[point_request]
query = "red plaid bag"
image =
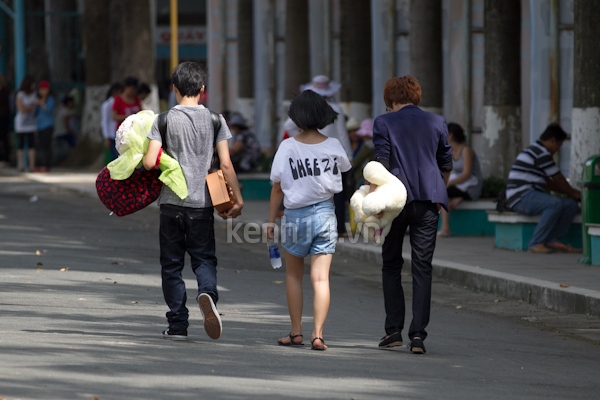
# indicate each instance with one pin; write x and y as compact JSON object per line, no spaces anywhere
{"x":128,"y":195}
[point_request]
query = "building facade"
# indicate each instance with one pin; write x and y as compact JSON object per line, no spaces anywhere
{"x":503,"y":70}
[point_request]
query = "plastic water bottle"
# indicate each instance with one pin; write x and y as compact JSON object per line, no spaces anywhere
{"x":274,"y":253}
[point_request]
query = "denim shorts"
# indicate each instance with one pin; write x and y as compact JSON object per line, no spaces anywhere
{"x":309,"y":230}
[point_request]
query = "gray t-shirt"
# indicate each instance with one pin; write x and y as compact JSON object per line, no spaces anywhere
{"x":190,"y":137}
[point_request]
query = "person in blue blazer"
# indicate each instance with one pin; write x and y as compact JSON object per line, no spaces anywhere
{"x":413,"y":145}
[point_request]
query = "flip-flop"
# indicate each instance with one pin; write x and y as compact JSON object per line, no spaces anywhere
{"x":443,"y":234}
{"x":291,"y":343}
{"x":321,"y":347}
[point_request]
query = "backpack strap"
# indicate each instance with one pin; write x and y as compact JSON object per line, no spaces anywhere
{"x":216,"y":125}
{"x":162,"y":128}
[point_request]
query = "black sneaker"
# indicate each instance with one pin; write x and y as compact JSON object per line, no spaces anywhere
{"x":416,"y":346}
{"x":393,"y":340}
{"x":174,"y":335}
{"x":212,"y":320}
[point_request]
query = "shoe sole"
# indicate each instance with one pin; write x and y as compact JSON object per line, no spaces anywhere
{"x":174,"y":337}
{"x":212,"y":320}
{"x":393,"y":344}
{"x":417,"y":350}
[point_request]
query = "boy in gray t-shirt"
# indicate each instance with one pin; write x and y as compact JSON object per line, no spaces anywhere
{"x":188,"y":225}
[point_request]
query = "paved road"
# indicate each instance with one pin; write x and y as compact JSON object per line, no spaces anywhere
{"x":82,"y":313}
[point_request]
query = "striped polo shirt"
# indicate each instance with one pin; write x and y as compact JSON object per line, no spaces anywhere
{"x":529,"y":172}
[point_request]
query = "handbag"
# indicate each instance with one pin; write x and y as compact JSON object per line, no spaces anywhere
{"x":127,"y":196}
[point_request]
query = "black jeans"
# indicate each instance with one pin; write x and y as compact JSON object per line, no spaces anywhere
{"x":422,"y":217}
{"x":188,"y":230}
{"x":45,"y":137}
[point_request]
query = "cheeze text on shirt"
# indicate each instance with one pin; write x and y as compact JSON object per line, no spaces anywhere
{"x":312,"y":167}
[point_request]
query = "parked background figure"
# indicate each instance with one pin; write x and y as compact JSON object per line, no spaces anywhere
{"x":5,"y":148}
{"x":532,"y":174}
{"x":66,"y":137}
{"x":143,"y":93}
{"x":245,"y":150}
{"x":109,"y":125}
{"x":363,"y":153}
{"x":413,"y":145}
{"x":127,"y":103}
{"x":466,"y":180}
{"x":327,"y":88}
{"x":44,"y":113}
{"x":25,"y":123}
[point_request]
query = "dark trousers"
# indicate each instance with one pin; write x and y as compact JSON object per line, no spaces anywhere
{"x":188,"y":230}
{"x":45,"y":137}
{"x":339,"y":200}
{"x":422,"y":218}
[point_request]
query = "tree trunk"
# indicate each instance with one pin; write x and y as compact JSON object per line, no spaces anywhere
{"x":59,"y":31}
{"x":585,"y":137}
{"x":245,"y":60}
{"x":297,"y":47}
{"x":502,"y":87}
{"x":355,"y":55}
{"x":426,"y":51}
{"x":131,"y":40}
{"x":97,"y":73}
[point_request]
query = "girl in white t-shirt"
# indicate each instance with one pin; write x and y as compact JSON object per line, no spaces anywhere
{"x":306,"y":173}
{"x":26,"y":123}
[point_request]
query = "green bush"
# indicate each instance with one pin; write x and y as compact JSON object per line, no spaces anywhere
{"x":492,"y":186}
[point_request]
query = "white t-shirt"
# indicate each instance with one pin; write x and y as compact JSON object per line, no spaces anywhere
{"x":26,"y":122}
{"x":109,"y":125}
{"x":309,"y":173}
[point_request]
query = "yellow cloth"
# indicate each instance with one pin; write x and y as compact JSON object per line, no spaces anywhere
{"x":132,"y":143}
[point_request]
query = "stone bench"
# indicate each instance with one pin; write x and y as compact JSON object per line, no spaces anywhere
{"x":255,"y":186}
{"x":513,"y":231}
{"x":594,"y":232}
{"x":470,"y":218}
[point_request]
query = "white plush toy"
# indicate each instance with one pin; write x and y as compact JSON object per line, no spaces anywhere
{"x":389,"y":197}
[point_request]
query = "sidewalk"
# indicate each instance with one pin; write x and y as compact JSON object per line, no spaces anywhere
{"x":554,"y":281}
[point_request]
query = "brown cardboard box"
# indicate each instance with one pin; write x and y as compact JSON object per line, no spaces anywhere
{"x":220,"y":192}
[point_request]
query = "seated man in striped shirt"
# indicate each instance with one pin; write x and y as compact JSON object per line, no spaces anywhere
{"x":532,"y":174}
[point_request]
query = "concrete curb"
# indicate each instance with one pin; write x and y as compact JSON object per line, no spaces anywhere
{"x":538,"y":292}
{"x":534,"y":291}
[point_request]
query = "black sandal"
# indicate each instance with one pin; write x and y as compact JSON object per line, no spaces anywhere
{"x":291,"y":343}
{"x":321,"y":347}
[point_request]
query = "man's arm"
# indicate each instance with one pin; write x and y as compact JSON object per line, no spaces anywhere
{"x":381,"y":143}
{"x":558,"y":183}
{"x":231,"y":177}
{"x":118,"y":117}
{"x":274,"y":204}
{"x":151,"y":155}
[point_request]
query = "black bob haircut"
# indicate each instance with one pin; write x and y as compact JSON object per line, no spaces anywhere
{"x":457,"y":132}
{"x":189,"y":77}
{"x":554,"y":131}
{"x":131,"y":81}
{"x":309,"y":110}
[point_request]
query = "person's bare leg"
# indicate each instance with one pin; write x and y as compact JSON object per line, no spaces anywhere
{"x":452,"y":204}
{"x":294,"y":272}
{"x":445,"y":229}
{"x":20,"y":165}
{"x":31,"y":159}
{"x":319,"y":276}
